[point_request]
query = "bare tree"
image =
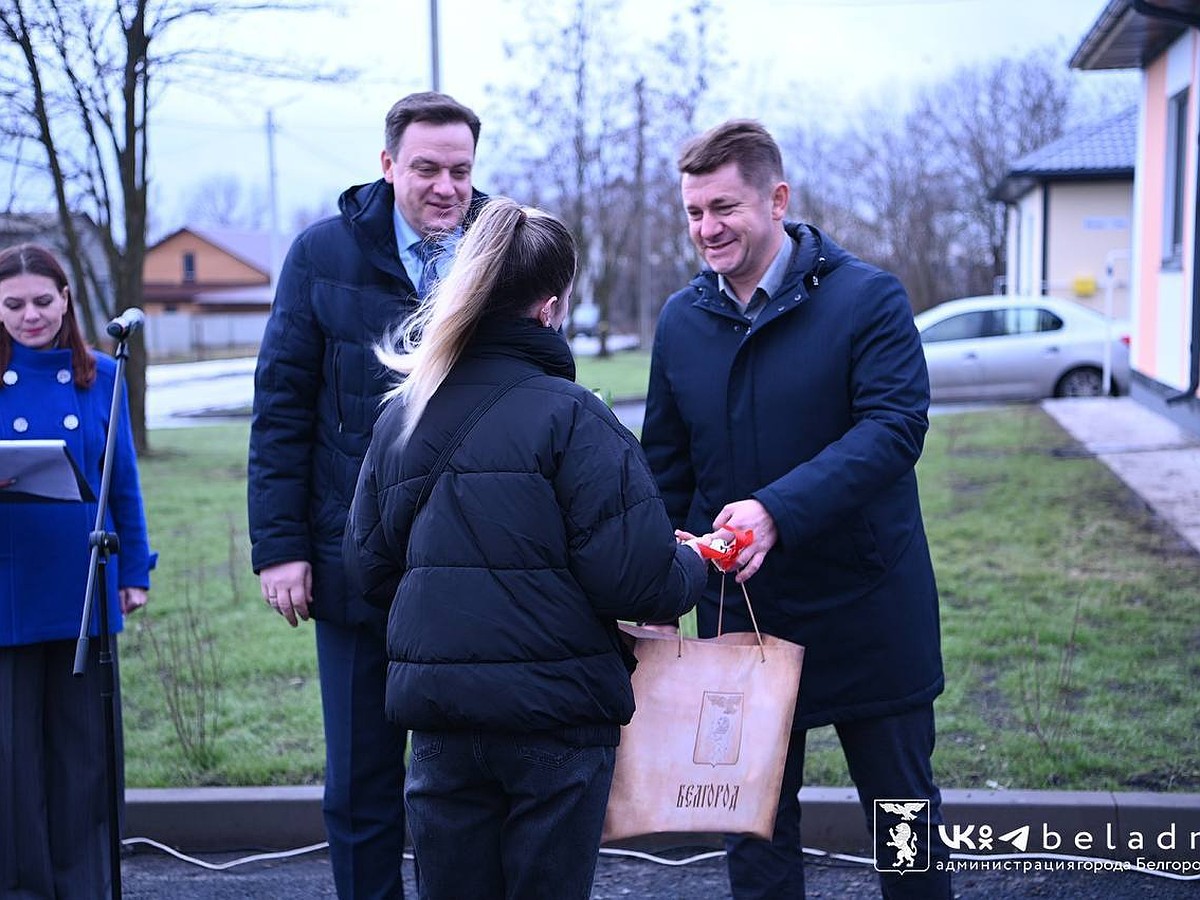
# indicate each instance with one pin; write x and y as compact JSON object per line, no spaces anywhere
{"x":910,"y":191}
{"x":985,"y":118}
{"x":593,"y":136}
{"x":79,"y":77}
{"x":304,"y":216}
{"x":223,"y":201}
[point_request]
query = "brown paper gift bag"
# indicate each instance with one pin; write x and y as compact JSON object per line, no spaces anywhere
{"x":705,"y":750}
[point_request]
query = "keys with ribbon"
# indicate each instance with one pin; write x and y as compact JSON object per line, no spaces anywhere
{"x":724,"y":553}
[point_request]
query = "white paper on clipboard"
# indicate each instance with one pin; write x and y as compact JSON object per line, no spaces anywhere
{"x":40,"y":471}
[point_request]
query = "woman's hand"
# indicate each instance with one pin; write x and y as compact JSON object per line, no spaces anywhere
{"x":671,"y":630}
{"x":694,"y":541}
{"x":132,"y":598}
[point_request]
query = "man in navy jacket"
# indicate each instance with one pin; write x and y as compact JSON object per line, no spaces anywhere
{"x":317,"y":393}
{"x":788,"y":395}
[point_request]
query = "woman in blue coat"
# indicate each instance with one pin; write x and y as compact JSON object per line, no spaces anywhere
{"x":54,"y":838}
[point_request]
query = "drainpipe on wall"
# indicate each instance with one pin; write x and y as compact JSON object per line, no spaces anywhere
{"x":1044,"y":290}
{"x":1189,"y":393}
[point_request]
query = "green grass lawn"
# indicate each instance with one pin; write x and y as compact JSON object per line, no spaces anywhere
{"x":617,"y":377}
{"x":264,"y":723}
{"x":1070,"y":627}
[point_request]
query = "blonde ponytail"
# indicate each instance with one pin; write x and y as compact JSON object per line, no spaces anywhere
{"x":507,"y":259}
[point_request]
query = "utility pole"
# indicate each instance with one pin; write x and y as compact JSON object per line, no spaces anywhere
{"x":645,"y":336}
{"x":273,"y":198}
{"x":435,"y":64}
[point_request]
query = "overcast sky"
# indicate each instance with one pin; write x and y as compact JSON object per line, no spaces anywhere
{"x":842,"y":53}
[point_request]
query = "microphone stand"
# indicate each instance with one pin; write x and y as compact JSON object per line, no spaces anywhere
{"x":104,"y":544}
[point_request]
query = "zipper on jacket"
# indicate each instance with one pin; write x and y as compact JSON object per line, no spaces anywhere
{"x":337,"y":387}
{"x":813,"y":276}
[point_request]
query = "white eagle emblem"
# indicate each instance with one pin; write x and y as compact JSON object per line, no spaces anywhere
{"x":906,"y":811}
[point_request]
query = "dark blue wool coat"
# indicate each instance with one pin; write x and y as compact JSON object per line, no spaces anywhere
{"x":318,"y":389}
{"x":818,"y":410}
{"x":545,"y":528}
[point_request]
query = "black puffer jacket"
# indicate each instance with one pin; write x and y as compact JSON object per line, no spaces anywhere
{"x":544,"y":528}
{"x":318,"y":389}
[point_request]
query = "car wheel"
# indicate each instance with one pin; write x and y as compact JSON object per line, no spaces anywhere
{"x":1081,"y":382}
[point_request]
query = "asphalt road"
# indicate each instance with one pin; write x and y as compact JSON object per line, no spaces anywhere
{"x":186,"y":395}
{"x":153,"y":875}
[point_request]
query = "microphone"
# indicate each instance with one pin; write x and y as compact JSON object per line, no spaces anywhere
{"x":124,"y":325}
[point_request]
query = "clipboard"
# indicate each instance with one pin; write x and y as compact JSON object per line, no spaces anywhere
{"x":43,"y":472}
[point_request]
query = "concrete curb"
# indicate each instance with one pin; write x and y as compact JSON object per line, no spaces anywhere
{"x":219,"y":819}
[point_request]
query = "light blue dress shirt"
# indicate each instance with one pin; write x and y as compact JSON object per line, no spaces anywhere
{"x":406,"y":236}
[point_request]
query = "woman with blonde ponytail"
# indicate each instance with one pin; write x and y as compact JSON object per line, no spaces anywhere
{"x":507,"y":520}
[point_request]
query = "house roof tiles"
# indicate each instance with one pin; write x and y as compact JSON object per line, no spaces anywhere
{"x":1104,"y":149}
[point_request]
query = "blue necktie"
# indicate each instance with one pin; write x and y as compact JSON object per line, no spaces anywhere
{"x":428,"y":252}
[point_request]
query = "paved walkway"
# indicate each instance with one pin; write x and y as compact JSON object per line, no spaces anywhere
{"x":1156,"y":458}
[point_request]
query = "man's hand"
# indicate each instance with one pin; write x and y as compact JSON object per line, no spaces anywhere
{"x":287,"y":588}
{"x":752,"y":516}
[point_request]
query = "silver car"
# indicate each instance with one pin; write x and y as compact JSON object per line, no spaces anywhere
{"x":1022,"y":348}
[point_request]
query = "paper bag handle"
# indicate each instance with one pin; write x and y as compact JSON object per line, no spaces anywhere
{"x":721,"y":616}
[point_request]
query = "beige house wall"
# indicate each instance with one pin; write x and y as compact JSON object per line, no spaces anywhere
{"x":1162,"y":307}
{"x":1090,"y":226}
{"x":214,"y":267}
{"x":1090,"y":229}
{"x":1023,"y":271}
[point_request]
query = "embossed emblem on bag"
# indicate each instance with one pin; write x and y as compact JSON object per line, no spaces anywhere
{"x":719,"y":733}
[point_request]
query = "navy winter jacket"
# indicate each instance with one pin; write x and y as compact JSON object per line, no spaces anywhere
{"x":544,"y":529}
{"x":818,"y":410}
{"x":318,"y":389}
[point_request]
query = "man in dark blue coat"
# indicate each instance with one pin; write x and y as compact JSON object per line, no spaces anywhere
{"x":788,"y":395}
{"x":318,"y":388}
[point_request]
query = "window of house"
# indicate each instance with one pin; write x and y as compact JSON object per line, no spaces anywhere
{"x":189,"y":268}
{"x":1176,"y":179}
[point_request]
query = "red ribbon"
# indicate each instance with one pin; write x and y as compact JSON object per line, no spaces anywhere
{"x":724,"y":553}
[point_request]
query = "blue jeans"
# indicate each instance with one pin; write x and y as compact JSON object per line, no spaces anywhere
{"x":506,"y":815}
{"x":364,"y":765}
{"x":889,"y":759}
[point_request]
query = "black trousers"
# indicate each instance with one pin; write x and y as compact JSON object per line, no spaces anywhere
{"x":54,"y":837}
{"x":506,"y":815}
{"x":889,"y":759}
{"x":364,"y":765}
